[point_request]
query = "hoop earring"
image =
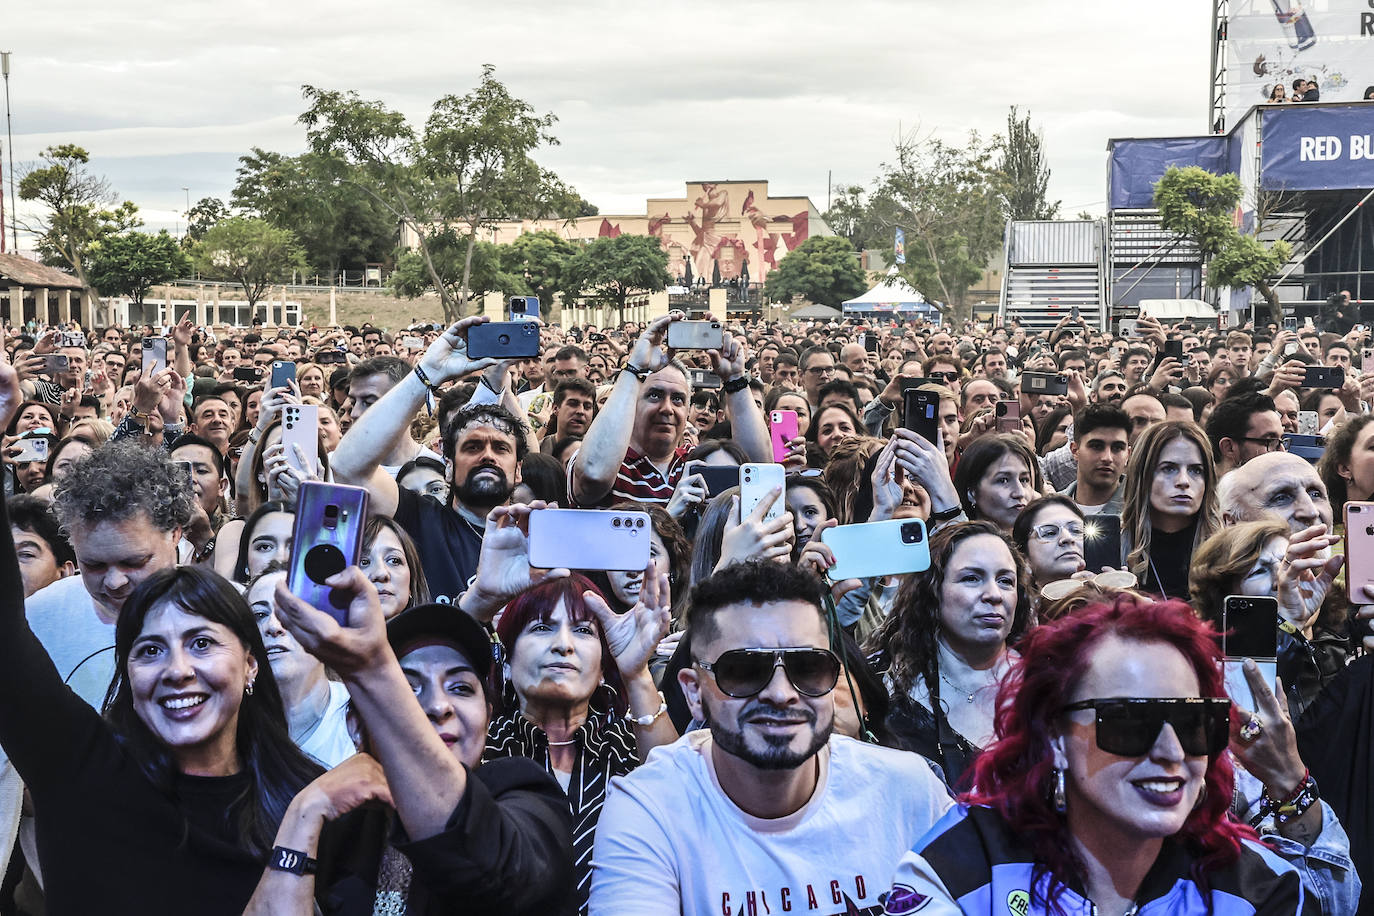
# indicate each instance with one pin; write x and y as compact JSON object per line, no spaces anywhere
{"x":248,"y":691}
{"x":1060,"y":799}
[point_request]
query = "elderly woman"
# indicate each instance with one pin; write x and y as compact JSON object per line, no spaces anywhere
{"x":584,"y":704}
{"x":1107,"y":788}
{"x":947,"y":644}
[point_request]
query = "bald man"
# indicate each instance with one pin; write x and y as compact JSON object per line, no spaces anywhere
{"x":855,"y":357}
{"x":1277,"y":484}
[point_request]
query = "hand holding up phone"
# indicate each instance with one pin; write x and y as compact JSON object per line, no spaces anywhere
{"x":503,"y":566}
{"x":448,"y":358}
{"x":1272,"y":755}
{"x":633,"y":635}
{"x":754,"y":537}
{"x":349,"y":647}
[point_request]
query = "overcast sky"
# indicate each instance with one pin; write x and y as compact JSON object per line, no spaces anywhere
{"x":166,"y":96}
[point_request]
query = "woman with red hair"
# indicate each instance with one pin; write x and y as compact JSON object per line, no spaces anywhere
{"x":1106,"y":790}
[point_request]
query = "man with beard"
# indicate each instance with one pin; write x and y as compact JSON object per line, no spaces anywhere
{"x":767,"y":810}
{"x":483,"y":445}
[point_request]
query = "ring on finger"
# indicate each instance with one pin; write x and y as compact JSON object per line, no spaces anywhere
{"x":1252,"y":729}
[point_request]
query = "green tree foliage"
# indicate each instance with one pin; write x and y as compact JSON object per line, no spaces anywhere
{"x":541,"y":259}
{"x":1025,"y":172}
{"x":1200,"y":206}
{"x":486,"y":274}
{"x":317,"y":197}
{"x":851,"y":216}
{"x":79,"y":208}
{"x":823,"y":269}
{"x":471,"y":166}
{"x":199,"y":219}
{"x":131,"y":263}
{"x":609,"y":270}
{"x":250,"y":252}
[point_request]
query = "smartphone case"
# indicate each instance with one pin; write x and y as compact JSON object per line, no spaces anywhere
{"x":921,"y":414}
{"x":300,"y":425}
{"x":327,"y":538}
{"x":872,"y":549}
{"x":1044,"y":383}
{"x":1008,"y":416}
{"x":719,"y":478}
{"x":154,"y":355}
{"x":1249,"y":630}
{"x":755,"y":480}
{"x":283,"y":373}
{"x":782,"y":427}
{"x":504,"y":340}
{"x":1359,"y":549}
{"x":695,"y":335}
{"x":594,"y":539}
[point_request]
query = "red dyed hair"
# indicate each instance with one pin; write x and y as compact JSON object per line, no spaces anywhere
{"x":1013,"y":776}
{"x":538,"y":603}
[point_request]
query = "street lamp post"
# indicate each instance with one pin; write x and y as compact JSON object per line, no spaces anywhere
{"x":9,"y":135}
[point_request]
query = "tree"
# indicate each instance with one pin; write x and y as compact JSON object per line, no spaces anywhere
{"x":249,"y":251}
{"x":131,"y":263}
{"x":487,"y":271}
{"x":1200,"y":206}
{"x":851,"y":216}
{"x":611,"y":269}
{"x":948,"y":200}
{"x":821,"y":269}
{"x":1025,"y":171}
{"x":199,"y":219}
{"x":541,"y":259}
{"x":317,"y":197}
{"x":469,"y":168}
{"x":79,"y":208}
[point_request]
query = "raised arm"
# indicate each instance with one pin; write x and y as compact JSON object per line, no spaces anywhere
{"x":746,"y":420}
{"x":357,"y":460}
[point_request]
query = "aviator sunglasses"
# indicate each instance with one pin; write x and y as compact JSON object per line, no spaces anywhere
{"x":742,"y":673}
{"x":1129,"y":726}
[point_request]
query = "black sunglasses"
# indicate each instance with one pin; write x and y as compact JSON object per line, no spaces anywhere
{"x":1130,"y":726}
{"x":742,"y":673}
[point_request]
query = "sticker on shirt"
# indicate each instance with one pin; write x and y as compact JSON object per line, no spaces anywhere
{"x":902,"y":900}
{"x":1018,"y":903}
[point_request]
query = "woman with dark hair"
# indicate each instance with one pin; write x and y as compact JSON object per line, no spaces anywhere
{"x":947,"y":644}
{"x":1049,"y":534}
{"x":787,"y":399}
{"x":245,"y":547}
{"x":541,"y":477}
{"x":1170,"y":505}
{"x":1054,"y":431}
{"x":33,"y":415}
{"x":997,"y":476}
{"x":1347,"y":465}
{"x":583,"y":703}
{"x":832,"y":424}
{"x":187,"y":776}
{"x":718,"y":452}
{"x":1107,"y":789}
{"x":1219,"y":381}
{"x":391,"y":562}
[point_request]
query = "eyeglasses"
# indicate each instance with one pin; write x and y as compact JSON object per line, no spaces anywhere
{"x":821,"y":370}
{"x":1270,"y":443}
{"x":1130,"y":726}
{"x":1050,"y":533}
{"x":742,"y":673}
{"x":947,"y":376}
{"x":1114,"y":579}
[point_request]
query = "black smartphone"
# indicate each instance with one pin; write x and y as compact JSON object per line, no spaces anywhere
{"x":247,"y":373}
{"x":718,"y":478}
{"x":327,"y":539}
{"x":1323,"y":377}
{"x":1044,"y":383}
{"x":1309,"y":448}
{"x":329,"y":357}
{"x":1249,"y":629}
{"x":907,"y":384}
{"x":1073,"y":313}
{"x":921,"y":414}
{"x":871,"y":342}
{"x":504,"y":340}
{"x":1101,"y":543}
{"x":1174,"y":348}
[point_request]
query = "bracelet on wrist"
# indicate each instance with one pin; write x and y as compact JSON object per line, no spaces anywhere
{"x":424,"y":379}
{"x":735,"y":385}
{"x":638,"y":373}
{"x":646,"y":721}
{"x":291,"y":861}
{"x":1295,"y":805}
{"x":945,"y":515}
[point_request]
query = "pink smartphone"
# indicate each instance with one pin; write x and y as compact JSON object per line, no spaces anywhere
{"x":782,"y":427}
{"x":1359,"y":549}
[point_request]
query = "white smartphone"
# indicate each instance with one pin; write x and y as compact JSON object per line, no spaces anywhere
{"x":1307,"y":422}
{"x":755,"y":482}
{"x":31,"y":449}
{"x":589,"y":539}
{"x":154,"y":355}
{"x":300,"y":426}
{"x":870,"y":549}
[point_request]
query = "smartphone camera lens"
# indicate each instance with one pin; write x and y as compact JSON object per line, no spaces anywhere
{"x":639,"y":523}
{"x":615,"y":523}
{"x":912,"y":533}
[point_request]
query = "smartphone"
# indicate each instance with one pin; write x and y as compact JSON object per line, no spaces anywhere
{"x":72,"y":339}
{"x":755,"y":480}
{"x":718,"y":477}
{"x":1309,"y":448}
{"x":1249,"y":629}
{"x":1129,"y":327}
{"x":921,"y":414}
{"x":704,"y":378}
{"x":1101,"y":543}
{"x":871,"y":342}
{"x":906,"y":384}
{"x":589,"y":539}
{"x":503,"y":340}
{"x":189,"y":470}
{"x":695,"y":335}
{"x":1173,"y":348}
{"x":1290,"y":322}
{"x":1366,"y":360}
{"x":330,"y":357}
{"x":413,"y":343}
{"x":1008,"y":416}
{"x":1359,"y":549}
{"x":154,"y":355}
{"x":1323,"y":377}
{"x":283,"y":373}
{"x":782,"y":426}
{"x":524,"y":308}
{"x":300,"y":426}
{"x":1044,"y":383}
{"x":247,"y":373}
{"x":326,"y":539}
{"x":872,"y":549}
{"x":32,"y":449}
{"x":1307,"y":422}
{"x":54,"y":363}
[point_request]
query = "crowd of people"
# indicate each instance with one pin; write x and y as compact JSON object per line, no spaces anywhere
{"x":1038,"y":716}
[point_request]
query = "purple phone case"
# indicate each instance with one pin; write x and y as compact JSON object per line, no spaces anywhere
{"x":327,"y":538}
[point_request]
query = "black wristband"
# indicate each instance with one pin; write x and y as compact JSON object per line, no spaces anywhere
{"x":291,"y":861}
{"x":736,"y":384}
{"x":945,"y":515}
{"x":638,"y":373}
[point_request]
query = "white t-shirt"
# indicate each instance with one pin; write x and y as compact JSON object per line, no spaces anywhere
{"x":328,"y":742}
{"x":670,"y":840}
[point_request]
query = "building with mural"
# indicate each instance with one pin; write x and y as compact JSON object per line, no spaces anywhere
{"x":719,"y":232}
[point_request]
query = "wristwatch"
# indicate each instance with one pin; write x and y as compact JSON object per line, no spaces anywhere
{"x":291,"y":861}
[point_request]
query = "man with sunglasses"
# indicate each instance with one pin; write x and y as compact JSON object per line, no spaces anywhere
{"x":767,"y":811}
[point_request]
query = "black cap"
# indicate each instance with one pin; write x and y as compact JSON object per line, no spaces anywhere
{"x":445,"y":623}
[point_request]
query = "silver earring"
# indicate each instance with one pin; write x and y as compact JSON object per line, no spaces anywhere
{"x":1060,"y":802}
{"x":248,"y":691}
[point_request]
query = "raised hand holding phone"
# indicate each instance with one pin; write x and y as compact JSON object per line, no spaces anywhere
{"x":503,"y":565}
{"x":348,"y":642}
